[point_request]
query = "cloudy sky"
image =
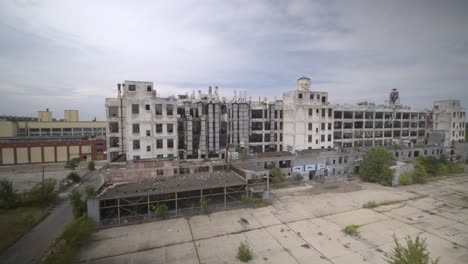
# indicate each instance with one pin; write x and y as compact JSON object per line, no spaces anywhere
{"x":71,"y":54}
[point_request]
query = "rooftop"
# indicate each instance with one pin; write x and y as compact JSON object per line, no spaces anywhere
{"x":170,"y":184}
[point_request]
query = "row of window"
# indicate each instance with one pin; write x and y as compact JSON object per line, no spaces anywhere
{"x":266,"y":125}
{"x":377,"y":115}
{"x":77,"y":131}
{"x":378,"y":124}
{"x":258,"y":113}
{"x":322,"y":138}
{"x":132,"y":88}
{"x":159,"y":129}
{"x":377,"y":134}
{"x":158,"y":109}
{"x":255,"y":138}
{"x":323,"y":110}
{"x":312,"y":97}
{"x":159,"y":144}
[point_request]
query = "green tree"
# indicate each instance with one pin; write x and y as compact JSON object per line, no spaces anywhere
{"x":72,"y":164}
{"x":91,"y":165}
{"x":35,"y":195}
{"x":277,"y":175}
{"x":73,"y":176}
{"x":79,"y":202}
{"x":414,"y":253}
{"x":375,"y":167}
{"x":298,"y":177}
{"x":9,"y":198}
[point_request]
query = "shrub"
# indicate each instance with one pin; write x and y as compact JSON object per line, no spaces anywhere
{"x":91,"y":165}
{"x":244,"y":252}
{"x":255,"y":202}
{"x":73,"y":176}
{"x":370,"y":204}
{"x":298,"y":177}
{"x":419,"y":174}
{"x":277,"y":175}
{"x":414,"y":253}
{"x":9,"y":198}
{"x":243,"y":153}
{"x":160,"y":209}
{"x":375,"y":168}
{"x":351,"y":230}
{"x":405,"y":179}
{"x":79,"y":232}
{"x":72,"y":164}
{"x":78,"y":202}
{"x":35,"y":196}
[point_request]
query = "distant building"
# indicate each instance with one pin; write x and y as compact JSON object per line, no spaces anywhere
{"x":45,"y":139}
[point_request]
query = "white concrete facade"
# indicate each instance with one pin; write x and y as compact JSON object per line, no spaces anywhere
{"x":308,"y":118}
{"x":449,"y":117}
{"x":147,"y":124}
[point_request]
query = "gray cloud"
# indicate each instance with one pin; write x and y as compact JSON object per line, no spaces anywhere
{"x":63,"y":54}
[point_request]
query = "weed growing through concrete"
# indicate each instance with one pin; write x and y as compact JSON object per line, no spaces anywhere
{"x":415,"y":252}
{"x":352,"y":230}
{"x":370,"y":204}
{"x":244,"y":252}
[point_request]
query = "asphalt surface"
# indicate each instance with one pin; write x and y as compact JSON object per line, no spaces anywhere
{"x":32,"y":246}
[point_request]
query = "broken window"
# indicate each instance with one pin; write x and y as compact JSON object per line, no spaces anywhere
{"x":136,"y":144}
{"x":135,"y":109}
{"x":158,"y":109}
{"x":159,"y":143}
{"x":169,"y":109}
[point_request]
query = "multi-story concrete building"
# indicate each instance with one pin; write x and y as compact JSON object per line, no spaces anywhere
{"x":266,"y":125}
{"x":449,"y":118}
{"x":141,"y":124}
{"x":144,"y":126}
{"x":370,"y":125}
{"x":46,"y":125}
{"x":238,"y":121}
{"x":202,"y":126}
{"x":308,"y":118}
{"x":45,"y":139}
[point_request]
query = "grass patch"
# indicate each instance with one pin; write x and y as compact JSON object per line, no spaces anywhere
{"x":254,"y":202}
{"x":17,"y":222}
{"x":244,"y":252}
{"x":332,"y":187}
{"x":351,"y":230}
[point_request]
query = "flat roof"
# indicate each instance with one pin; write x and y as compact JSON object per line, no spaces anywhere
{"x":170,"y":184}
{"x":277,"y":154}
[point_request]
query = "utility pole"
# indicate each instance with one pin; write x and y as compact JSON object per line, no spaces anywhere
{"x":43,"y":189}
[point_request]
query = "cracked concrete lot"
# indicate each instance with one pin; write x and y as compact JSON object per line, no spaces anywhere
{"x":303,"y":225}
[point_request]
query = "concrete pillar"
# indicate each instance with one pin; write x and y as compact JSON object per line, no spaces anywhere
{"x":118,"y":210}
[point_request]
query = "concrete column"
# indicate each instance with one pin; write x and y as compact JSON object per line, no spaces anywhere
{"x":225,"y":202}
{"x":149,"y":209}
{"x":176,"y":207}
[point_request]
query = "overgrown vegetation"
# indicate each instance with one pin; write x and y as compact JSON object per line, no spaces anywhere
{"x":254,"y":202}
{"x":9,"y":197}
{"x":19,"y":212}
{"x":405,"y":178}
{"x":243,"y":153}
{"x":76,"y":235}
{"x":415,"y":252}
{"x":298,"y":177}
{"x":74,"y":177}
{"x":439,"y":166}
{"x":244,"y":252}
{"x":72,"y":164}
{"x":277,"y":176}
{"x":351,"y":230}
{"x":14,"y":223}
{"x":91,"y":165}
{"x":375,"y":167}
{"x":160,"y":209}
{"x":79,"y":202}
